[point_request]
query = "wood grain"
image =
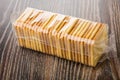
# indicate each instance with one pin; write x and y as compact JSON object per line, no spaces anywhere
{"x":18,"y":63}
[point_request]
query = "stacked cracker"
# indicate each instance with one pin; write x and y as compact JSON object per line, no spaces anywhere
{"x":63,"y":36}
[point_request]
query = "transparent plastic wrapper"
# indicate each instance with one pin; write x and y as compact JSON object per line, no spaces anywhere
{"x":64,"y":36}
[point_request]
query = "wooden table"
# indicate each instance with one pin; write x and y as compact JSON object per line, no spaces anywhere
{"x":18,"y":63}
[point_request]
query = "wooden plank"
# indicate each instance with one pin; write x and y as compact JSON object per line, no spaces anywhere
{"x":19,"y":63}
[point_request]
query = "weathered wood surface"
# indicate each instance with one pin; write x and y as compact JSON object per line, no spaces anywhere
{"x":18,"y":63}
